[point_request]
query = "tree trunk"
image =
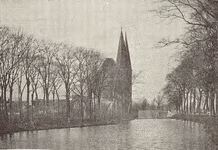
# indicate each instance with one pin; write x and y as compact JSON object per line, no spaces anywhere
{"x":194,"y":101}
{"x":184,"y":102}
{"x":53,"y":101}
{"x":187,"y":102}
{"x":58,"y":100}
{"x":99,"y":105}
{"x":2,"y":106}
{"x":10,"y":102}
{"x":20,"y":101}
{"x":212,"y":96}
{"x":206,"y":107}
{"x":199,"y":103}
{"x":37,"y":101}
{"x":81,"y":106}
{"x":90,"y":103}
{"x":1,"y":116}
{"x":180,"y":104}
{"x":47,"y":98}
{"x":32,"y":97}
{"x":5,"y":103}
{"x":43,"y":97}
{"x":67,"y":101}
{"x":94,"y":107}
{"x":28,"y":100}
{"x":53,"y":98}
{"x":217,"y":104}
{"x":190,"y":104}
{"x":90,"y":108}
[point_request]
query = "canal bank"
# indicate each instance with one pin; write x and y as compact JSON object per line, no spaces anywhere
{"x":10,"y":129}
{"x":48,"y":122}
{"x":210,"y":123}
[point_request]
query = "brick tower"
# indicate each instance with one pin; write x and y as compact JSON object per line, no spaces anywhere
{"x":123,"y":79}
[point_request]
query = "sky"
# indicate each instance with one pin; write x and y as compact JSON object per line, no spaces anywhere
{"x":97,"y":24}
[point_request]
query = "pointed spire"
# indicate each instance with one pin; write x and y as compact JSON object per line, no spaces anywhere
{"x":127,"y":51}
{"x":121,"y":49}
{"x":123,"y":57}
{"x":127,"y":46}
{"x":121,"y":36}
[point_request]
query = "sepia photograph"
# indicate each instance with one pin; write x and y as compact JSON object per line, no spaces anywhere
{"x":109,"y":74}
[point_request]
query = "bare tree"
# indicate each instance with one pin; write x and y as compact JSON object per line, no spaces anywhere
{"x":34,"y":82}
{"x":16,"y":58}
{"x":201,"y":40}
{"x":93,"y":61}
{"x":80,"y":86}
{"x":56,"y":83}
{"x":103,"y":81}
{"x":11,"y":55}
{"x":67,"y":70}
{"x":4,"y":69}
{"x":88,"y":62}
{"x":30,"y":46}
{"x":43,"y":66}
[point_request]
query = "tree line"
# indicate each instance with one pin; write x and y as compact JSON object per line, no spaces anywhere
{"x":192,"y":86}
{"x":28,"y":65}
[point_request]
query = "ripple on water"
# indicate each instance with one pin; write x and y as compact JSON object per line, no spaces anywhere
{"x":150,"y":134}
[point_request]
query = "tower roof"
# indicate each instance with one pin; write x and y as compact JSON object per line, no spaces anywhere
{"x":127,"y":50}
{"x":108,"y":64}
{"x":123,"y":57}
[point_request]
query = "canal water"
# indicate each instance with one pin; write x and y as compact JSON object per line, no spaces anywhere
{"x":148,"y":134}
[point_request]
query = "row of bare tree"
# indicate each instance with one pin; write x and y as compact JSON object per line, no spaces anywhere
{"x":192,"y":86}
{"x":35,"y":66}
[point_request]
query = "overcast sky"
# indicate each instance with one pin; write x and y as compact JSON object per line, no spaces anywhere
{"x":96,"y":24}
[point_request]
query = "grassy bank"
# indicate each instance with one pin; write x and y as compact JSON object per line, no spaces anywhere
{"x":205,"y":119}
{"x":210,"y":124}
{"x":13,"y":128}
{"x":47,"y":122}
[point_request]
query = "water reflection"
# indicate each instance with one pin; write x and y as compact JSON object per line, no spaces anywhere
{"x":137,"y":134}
